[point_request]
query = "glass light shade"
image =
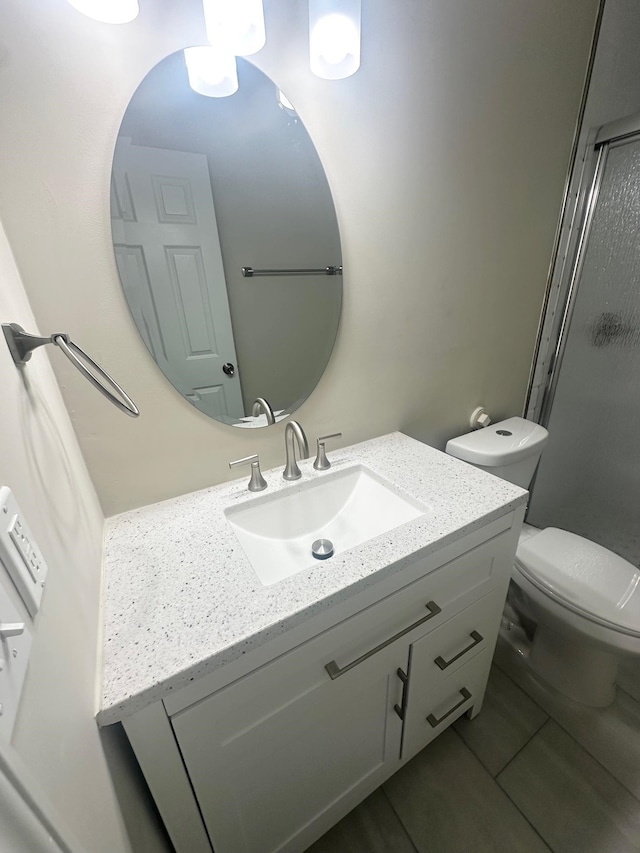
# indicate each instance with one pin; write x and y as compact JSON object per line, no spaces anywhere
{"x":212,"y":71}
{"x":108,"y":11}
{"x":239,"y":24}
{"x":334,"y":38}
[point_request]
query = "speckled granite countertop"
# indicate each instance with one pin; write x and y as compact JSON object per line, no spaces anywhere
{"x":181,"y":598}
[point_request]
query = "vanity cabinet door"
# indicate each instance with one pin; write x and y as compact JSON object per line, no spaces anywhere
{"x":280,"y":756}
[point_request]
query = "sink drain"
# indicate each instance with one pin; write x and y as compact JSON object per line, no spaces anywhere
{"x":322,"y":549}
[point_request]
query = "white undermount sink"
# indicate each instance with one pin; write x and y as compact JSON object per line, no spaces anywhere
{"x":347,"y":507}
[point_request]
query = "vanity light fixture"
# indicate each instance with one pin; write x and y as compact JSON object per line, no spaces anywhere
{"x":239,"y":24}
{"x":212,"y":71}
{"x":334,"y":38}
{"x":108,"y":11}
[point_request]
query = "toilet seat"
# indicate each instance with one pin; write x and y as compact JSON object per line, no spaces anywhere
{"x":588,"y":579}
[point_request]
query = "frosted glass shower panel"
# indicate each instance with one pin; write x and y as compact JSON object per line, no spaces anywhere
{"x":589,"y":478}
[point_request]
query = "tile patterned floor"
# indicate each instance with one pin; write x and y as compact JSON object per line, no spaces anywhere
{"x":533,"y":772}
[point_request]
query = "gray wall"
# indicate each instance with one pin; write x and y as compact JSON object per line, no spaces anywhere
{"x":614,"y":90}
{"x":446,"y":155}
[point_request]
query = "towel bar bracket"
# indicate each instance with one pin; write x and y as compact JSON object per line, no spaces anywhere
{"x":22,"y":344}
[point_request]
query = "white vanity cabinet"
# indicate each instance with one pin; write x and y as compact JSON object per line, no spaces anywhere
{"x":287,"y":747}
{"x":278,"y":755}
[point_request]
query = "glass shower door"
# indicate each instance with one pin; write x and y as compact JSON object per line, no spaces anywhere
{"x":588,"y":481}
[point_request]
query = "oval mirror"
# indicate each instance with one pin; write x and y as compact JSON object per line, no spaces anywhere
{"x":226,"y":243}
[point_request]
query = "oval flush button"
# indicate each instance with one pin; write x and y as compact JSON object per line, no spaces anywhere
{"x":322,"y":549}
{"x":503,"y":432}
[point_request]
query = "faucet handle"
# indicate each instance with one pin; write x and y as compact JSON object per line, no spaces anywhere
{"x":322,"y":463}
{"x":257,"y":483}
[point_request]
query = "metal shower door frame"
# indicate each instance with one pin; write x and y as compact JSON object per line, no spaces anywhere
{"x":558,"y":315}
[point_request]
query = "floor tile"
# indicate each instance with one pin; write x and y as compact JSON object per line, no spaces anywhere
{"x":370,"y":828}
{"x":449,"y":803}
{"x":575,"y":805}
{"x":508,"y":719}
{"x":611,"y":735}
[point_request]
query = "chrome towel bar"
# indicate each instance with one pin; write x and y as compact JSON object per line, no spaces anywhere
{"x":21,"y":345}
{"x":249,"y":272}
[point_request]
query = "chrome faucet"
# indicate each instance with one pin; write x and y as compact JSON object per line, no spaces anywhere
{"x":261,"y":403}
{"x":291,"y":431}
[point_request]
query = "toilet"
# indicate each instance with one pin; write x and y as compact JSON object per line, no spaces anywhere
{"x":579,"y":602}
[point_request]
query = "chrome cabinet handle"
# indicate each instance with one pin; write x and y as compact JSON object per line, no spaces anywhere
{"x":475,"y":636}
{"x":402,"y":707}
{"x":434,"y":721}
{"x":335,"y":671}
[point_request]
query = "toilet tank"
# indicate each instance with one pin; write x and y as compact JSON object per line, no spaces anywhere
{"x":510,"y":449}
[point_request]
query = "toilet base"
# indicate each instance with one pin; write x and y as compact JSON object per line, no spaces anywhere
{"x":579,"y":670}
{"x":514,"y":635}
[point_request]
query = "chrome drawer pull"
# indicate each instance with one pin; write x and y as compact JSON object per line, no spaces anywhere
{"x":475,"y":636}
{"x":433,"y":721}
{"x":402,"y":707}
{"x":335,"y":671}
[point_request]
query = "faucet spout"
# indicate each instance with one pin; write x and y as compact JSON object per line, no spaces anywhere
{"x":261,"y":404}
{"x":292,"y":431}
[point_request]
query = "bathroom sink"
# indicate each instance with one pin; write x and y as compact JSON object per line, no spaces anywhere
{"x":347,"y":508}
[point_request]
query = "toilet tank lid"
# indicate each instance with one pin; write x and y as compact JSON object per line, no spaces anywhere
{"x":588,"y":576}
{"x":504,"y":442}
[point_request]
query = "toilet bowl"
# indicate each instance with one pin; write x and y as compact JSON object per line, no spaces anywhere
{"x":583,"y":600}
{"x":586,"y":602}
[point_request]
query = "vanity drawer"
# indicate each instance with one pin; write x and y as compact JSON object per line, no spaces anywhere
{"x":433,"y":707}
{"x":440,"y":653}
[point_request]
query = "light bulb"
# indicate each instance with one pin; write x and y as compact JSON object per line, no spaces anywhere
{"x":212,"y":71}
{"x":108,"y":11}
{"x":238,"y":24}
{"x":334,"y":38}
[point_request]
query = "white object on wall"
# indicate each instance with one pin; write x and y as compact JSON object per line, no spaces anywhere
{"x":19,"y":552}
{"x":15,"y":645}
{"x":479,"y":418}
